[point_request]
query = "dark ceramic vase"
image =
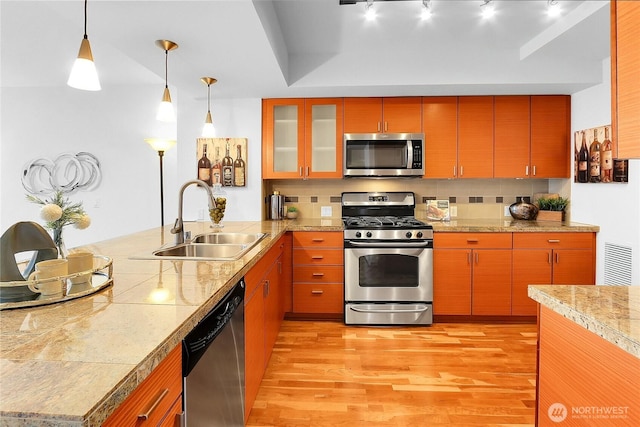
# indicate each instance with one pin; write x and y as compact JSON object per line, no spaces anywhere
{"x":523,"y":210}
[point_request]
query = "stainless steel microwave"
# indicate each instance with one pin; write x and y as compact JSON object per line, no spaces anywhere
{"x":383,"y":154}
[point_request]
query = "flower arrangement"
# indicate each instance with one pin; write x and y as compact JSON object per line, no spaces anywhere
{"x":58,"y":212}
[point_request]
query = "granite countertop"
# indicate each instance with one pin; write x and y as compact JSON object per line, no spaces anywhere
{"x":509,"y":226}
{"x":611,"y":312}
{"x":72,"y":363}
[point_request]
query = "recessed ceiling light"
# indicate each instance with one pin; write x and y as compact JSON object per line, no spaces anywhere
{"x":553,"y":8}
{"x":369,"y":11}
{"x":426,"y":10}
{"x":486,"y":9}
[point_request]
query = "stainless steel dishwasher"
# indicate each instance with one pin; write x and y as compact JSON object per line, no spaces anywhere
{"x":213,"y":365}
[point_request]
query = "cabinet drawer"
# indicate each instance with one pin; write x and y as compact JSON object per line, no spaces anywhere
{"x":326,"y":239}
{"x":155,"y":396}
{"x":254,"y":276}
{"x":172,"y":418}
{"x":472,"y":240}
{"x":318,"y":256}
{"x":312,"y":298}
{"x":553,"y":240}
{"x":318,"y":274}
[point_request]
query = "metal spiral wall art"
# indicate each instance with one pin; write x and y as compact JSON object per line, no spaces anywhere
{"x":67,"y":173}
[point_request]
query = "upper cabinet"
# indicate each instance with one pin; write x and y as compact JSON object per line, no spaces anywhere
{"x":625,"y":75}
{"x":383,"y":115}
{"x":475,"y":137}
{"x":532,"y":136}
{"x":302,"y":138}
{"x":550,"y":136}
{"x":440,"y":119}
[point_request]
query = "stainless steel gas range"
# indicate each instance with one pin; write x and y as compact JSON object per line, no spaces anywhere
{"x":388,"y":260}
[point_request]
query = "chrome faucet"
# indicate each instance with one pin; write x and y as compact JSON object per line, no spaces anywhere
{"x":178,"y":227}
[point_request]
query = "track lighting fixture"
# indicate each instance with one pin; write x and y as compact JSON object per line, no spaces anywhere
{"x":208,"y":131}
{"x":426,"y":9}
{"x":487,"y":9}
{"x":369,"y":11}
{"x":553,"y":8}
{"x":83,"y":73}
{"x":166,"y":112}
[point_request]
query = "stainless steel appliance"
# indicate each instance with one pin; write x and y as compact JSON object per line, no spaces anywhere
{"x":388,"y":260}
{"x":276,"y":206}
{"x":213,"y":365}
{"x":383,"y":155}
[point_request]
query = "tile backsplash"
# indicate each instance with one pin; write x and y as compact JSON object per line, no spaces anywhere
{"x":474,"y":198}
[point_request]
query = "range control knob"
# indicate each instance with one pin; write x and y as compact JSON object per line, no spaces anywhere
{"x":419,"y":235}
{"x":369,"y":234}
{"x":408,"y":234}
{"x":358,"y":234}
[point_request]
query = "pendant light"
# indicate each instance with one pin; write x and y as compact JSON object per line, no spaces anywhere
{"x":83,"y":73}
{"x":208,"y":131}
{"x":165,"y":110}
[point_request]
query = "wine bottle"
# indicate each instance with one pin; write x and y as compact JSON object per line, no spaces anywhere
{"x":204,"y":166}
{"x":227,"y":169}
{"x":216,"y":169}
{"x":583,"y":161}
{"x":239,"y":169}
{"x":606,"y":158}
{"x":594,"y":159}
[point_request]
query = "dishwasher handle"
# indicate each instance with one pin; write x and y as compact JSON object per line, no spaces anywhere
{"x":198,"y":340}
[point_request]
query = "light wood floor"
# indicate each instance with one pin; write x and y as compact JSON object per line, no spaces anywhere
{"x":329,"y":374}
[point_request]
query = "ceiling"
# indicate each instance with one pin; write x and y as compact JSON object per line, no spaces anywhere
{"x":309,"y":48}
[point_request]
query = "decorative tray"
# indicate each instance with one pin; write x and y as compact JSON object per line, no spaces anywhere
{"x":100,"y":277}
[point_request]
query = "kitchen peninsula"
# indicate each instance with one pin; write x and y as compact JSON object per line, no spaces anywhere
{"x":74,"y":363}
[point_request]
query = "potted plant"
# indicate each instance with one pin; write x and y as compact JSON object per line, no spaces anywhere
{"x":292,"y":212}
{"x":551,"y":208}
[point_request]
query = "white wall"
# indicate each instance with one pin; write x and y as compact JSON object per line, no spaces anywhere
{"x":614,"y":207}
{"x":112,"y":124}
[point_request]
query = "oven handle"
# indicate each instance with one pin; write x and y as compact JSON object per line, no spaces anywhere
{"x":412,"y":310}
{"x":389,"y":244}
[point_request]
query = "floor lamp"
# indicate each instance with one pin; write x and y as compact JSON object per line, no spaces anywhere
{"x":161,"y":145}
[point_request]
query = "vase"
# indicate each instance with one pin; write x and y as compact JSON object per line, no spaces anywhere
{"x":58,"y":239}
{"x":216,"y":213}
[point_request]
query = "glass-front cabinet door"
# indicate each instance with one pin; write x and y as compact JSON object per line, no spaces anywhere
{"x":323,"y":138}
{"x":282,"y":136}
{"x":302,"y":138}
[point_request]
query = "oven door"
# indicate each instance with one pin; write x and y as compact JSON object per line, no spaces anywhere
{"x":388,"y":272}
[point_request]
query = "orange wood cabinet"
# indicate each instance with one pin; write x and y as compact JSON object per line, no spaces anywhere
{"x":625,"y":75}
{"x":440,"y":120}
{"x":157,"y":400}
{"x":472,"y":274}
{"x":475,"y":137}
{"x":264,"y":312}
{"x":318,"y":273}
{"x":550,"y":258}
{"x":550,"y":136}
{"x":586,"y":379}
{"x":302,"y":138}
{"x":512,"y":142}
{"x":392,"y":114}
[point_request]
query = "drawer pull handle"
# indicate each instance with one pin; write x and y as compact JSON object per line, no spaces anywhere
{"x":317,"y":292}
{"x":317,"y":257}
{"x":317,"y":274}
{"x":153,"y":406}
{"x":472,"y":240}
{"x":317,"y":240}
{"x":553,"y":240}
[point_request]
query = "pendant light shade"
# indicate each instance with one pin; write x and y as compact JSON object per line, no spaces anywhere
{"x":83,"y":73}
{"x":208,"y":130}
{"x":166,"y":112}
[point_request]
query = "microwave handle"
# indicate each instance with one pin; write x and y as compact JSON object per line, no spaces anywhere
{"x":409,"y":154}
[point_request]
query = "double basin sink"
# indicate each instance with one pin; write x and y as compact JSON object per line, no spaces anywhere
{"x":211,"y":246}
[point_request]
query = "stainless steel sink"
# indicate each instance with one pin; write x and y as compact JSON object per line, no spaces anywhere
{"x":229,"y":238}
{"x":203,"y":251}
{"x":209,"y":247}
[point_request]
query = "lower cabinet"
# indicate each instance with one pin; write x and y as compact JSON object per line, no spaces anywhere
{"x":550,"y":258}
{"x":472,"y":274}
{"x":318,"y":273}
{"x":264,"y":309}
{"x":158,"y":399}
